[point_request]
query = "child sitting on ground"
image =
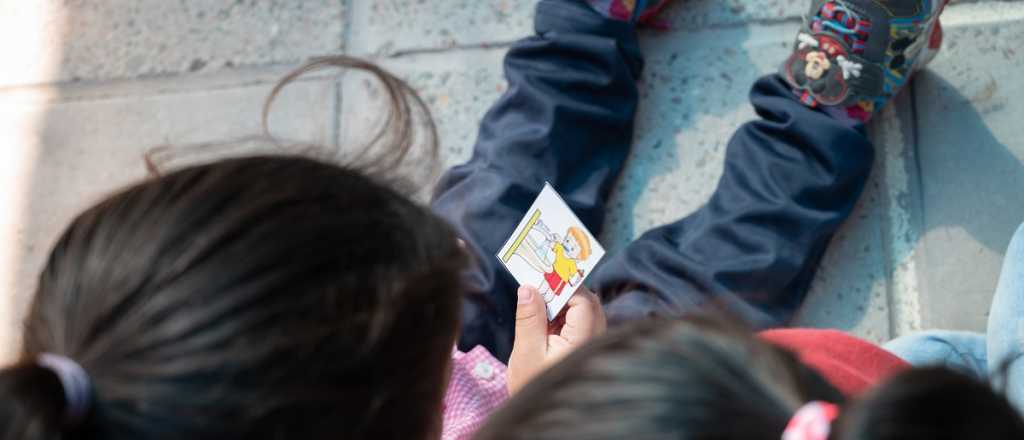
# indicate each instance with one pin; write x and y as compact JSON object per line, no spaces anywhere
{"x":267,"y":297}
{"x":790,"y":177}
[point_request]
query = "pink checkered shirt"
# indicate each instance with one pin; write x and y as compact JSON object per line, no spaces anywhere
{"x":476,"y":388}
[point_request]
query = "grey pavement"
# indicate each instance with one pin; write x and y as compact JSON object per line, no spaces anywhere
{"x":90,"y":87}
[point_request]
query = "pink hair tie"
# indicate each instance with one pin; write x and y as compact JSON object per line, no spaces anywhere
{"x":813,"y":421}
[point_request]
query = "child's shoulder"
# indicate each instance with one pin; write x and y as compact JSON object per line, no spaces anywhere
{"x":476,"y":388}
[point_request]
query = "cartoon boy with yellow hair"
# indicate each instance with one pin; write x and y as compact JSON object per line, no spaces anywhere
{"x":556,"y":257}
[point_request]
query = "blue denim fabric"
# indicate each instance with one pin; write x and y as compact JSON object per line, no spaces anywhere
{"x":982,"y":355}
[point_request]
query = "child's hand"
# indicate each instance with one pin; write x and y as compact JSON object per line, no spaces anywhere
{"x":539,"y":345}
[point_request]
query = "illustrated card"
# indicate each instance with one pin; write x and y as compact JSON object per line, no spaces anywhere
{"x":551,"y":250}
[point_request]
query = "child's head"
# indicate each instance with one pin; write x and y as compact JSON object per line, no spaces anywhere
{"x":703,"y":379}
{"x":264,"y":297}
{"x":577,"y":244}
{"x":931,"y":403}
{"x":660,"y":379}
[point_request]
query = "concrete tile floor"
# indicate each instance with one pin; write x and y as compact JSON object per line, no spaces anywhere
{"x":93,"y":85}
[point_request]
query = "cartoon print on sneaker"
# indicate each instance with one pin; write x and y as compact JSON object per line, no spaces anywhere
{"x":817,"y":65}
{"x":820,"y":69}
{"x":855,"y":55}
{"x":909,"y":39}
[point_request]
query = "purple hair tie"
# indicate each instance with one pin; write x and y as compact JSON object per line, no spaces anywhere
{"x":75,"y":382}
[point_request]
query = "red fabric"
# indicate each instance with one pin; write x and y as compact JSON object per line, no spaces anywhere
{"x":477,"y":384}
{"x":850,"y":364}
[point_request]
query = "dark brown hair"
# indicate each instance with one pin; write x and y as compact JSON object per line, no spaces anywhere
{"x":704,"y":378}
{"x":260,"y":297}
{"x":700,"y":378}
{"x":931,"y":403}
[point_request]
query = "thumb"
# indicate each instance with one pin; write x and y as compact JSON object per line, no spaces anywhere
{"x":531,"y":325}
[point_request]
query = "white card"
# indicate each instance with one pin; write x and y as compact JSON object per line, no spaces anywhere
{"x":551,"y":250}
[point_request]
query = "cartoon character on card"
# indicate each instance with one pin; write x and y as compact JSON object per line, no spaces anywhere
{"x":555,"y":257}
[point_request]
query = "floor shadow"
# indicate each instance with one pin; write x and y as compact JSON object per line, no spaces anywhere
{"x":963,"y":204}
{"x":970,"y":193}
{"x":971,"y":179}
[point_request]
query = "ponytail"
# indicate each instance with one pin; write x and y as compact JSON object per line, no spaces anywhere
{"x":32,"y":403}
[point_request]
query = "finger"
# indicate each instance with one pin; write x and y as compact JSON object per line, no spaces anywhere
{"x":584,"y":317}
{"x":558,"y":348}
{"x":531,"y":325}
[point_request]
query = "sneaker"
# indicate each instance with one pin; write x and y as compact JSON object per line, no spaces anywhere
{"x":853,"y":56}
{"x":633,"y":11}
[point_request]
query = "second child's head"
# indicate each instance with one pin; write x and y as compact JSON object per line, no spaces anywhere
{"x":705,"y":379}
{"x":263,"y":297}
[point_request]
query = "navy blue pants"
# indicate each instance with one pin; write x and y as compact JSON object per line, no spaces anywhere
{"x":791,"y":177}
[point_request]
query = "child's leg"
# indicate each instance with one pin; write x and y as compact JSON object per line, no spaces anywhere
{"x":983,"y":356}
{"x":790,"y":179}
{"x":567,"y":118}
{"x":960,"y":351}
{"x":1005,"y":326}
